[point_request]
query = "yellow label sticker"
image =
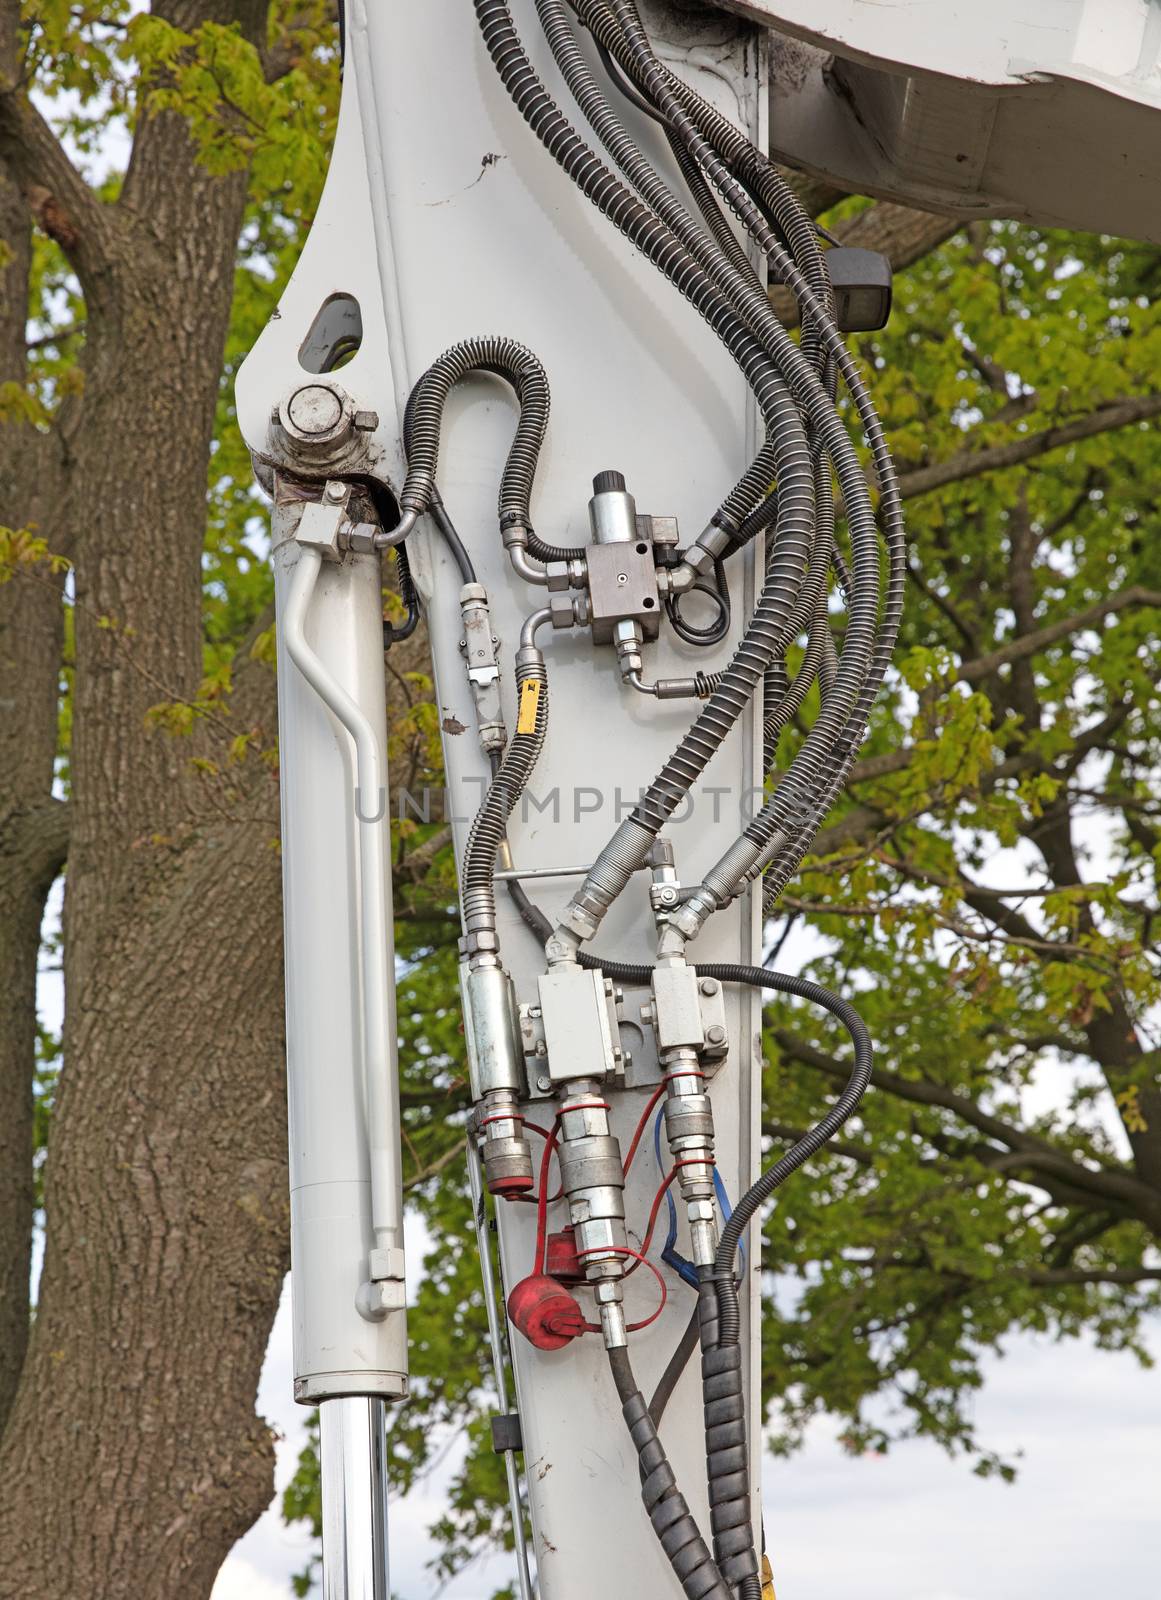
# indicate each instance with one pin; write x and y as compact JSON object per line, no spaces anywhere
{"x":529,"y":702}
{"x":767,"y":1579}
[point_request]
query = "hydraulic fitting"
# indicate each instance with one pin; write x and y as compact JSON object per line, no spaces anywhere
{"x":689,"y":1130}
{"x":622,"y":576}
{"x":505,"y":1156}
{"x":608,"y":875}
{"x":495,"y":1068}
{"x":706,"y":548}
{"x":478,"y":646}
{"x":579,"y":1019}
{"x":593,"y":1178}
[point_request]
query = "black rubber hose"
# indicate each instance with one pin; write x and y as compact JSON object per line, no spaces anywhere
{"x":675,"y":1366}
{"x":764,"y":634}
{"x":718,"y":591}
{"x":720,"y":256}
{"x":672,"y":1521}
{"x":810,"y":1143}
{"x":407,"y":593}
{"x":857,"y":685}
{"x":451,"y":538}
{"x":738,"y":684}
{"x":620,"y":30}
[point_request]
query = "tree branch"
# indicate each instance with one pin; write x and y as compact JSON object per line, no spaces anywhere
{"x":34,"y":843}
{"x":1053,"y":1277}
{"x":1028,"y":1149}
{"x":974,"y":463}
{"x":60,"y":200}
{"x":1029,"y":643}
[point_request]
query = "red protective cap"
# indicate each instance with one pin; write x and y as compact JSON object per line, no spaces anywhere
{"x":545,"y":1312}
{"x":561,"y":1260}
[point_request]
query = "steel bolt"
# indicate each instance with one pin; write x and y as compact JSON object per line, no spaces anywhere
{"x":544,"y":1082}
{"x":315,"y":409}
{"x":715,"y":1034}
{"x":709,"y":986}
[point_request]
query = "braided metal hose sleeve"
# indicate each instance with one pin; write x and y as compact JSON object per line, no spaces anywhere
{"x":672,"y":1520}
{"x":706,"y":202}
{"x":660,"y":245}
{"x":751,"y":166}
{"x":799,"y":804}
{"x":423,"y":420}
{"x":766,"y":638}
{"x":478,"y":889}
{"x":633,"y":49}
{"x":635,"y":220}
{"x":729,"y":269}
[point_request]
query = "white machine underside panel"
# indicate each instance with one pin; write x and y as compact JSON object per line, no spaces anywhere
{"x":1043,"y":110}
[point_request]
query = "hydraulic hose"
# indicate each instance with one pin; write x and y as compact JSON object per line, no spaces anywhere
{"x":799,"y":1152}
{"x":478,"y":889}
{"x":672,"y":1520}
{"x":657,"y":242}
{"x":778,"y":202}
{"x":835,"y":713}
{"x":661,"y":246}
{"x":423,"y":419}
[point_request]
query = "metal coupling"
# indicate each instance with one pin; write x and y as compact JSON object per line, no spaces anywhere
{"x":689,"y":1130}
{"x":491,"y":1029}
{"x":593,"y":1178}
{"x":706,"y":548}
{"x":669,"y":688}
{"x":608,"y":875}
{"x":480,"y":650}
{"x":505,"y":1155}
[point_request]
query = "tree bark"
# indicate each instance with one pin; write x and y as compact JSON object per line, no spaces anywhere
{"x":133,"y":1459}
{"x":30,"y":643}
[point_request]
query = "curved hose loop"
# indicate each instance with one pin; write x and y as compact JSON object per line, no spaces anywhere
{"x":717,"y":591}
{"x":423,"y":419}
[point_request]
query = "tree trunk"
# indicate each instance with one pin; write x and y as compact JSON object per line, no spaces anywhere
{"x":132,"y":1458}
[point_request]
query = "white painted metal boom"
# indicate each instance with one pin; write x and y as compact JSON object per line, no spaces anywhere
{"x":635,"y":606}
